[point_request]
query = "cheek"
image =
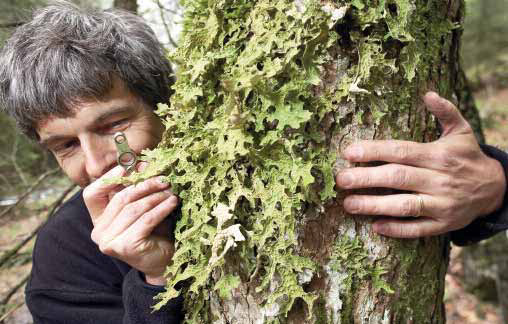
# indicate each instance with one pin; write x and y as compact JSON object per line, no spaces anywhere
{"x":74,"y":169}
{"x":145,"y":137}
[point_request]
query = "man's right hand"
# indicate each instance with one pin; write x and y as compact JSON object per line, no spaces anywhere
{"x":124,"y":220}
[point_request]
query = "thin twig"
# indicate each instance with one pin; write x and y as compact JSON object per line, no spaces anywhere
{"x":12,"y":24}
{"x":8,"y":254}
{"x":29,"y":191}
{"x":175,"y":12}
{"x":13,"y":290}
{"x":9,"y":312}
{"x":165,"y":23}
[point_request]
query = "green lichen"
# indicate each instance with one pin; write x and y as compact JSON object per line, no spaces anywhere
{"x":350,"y":258}
{"x":235,"y":140}
{"x":245,"y":147}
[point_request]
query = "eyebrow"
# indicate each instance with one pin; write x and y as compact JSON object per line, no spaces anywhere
{"x":99,"y":119}
{"x":54,"y":138}
{"x":108,"y":114}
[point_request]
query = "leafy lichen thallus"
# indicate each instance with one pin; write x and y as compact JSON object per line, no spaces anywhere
{"x":125,"y":155}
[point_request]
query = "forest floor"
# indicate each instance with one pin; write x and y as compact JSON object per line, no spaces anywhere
{"x":461,"y":307}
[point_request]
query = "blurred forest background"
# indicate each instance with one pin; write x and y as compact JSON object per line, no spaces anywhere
{"x":31,"y":186}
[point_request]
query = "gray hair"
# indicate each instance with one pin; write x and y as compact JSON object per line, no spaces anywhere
{"x":66,"y":54}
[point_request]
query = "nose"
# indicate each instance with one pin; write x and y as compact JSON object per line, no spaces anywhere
{"x":99,"y":155}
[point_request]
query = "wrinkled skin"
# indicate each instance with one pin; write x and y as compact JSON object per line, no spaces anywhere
{"x":127,"y":221}
{"x":452,"y":180}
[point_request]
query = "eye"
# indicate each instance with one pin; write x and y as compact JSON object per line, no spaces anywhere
{"x":65,"y":147}
{"x":117,"y":124}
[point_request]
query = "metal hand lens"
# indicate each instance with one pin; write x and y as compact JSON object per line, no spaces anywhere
{"x":125,"y":155}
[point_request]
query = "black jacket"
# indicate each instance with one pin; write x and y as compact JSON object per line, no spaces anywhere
{"x":72,"y":282}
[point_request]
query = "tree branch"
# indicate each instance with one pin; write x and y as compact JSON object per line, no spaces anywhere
{"x":9,"y":312}
{"x":11,"y":24}
{"x":8,"y":254}
{"x":165,"y":23}
{"x":11,"y":292}
{"x":29,"y":191}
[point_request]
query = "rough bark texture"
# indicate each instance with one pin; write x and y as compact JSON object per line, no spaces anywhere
{"x":265,"y":91}
{"x":342,"y":246}
{"x":129,"y":5}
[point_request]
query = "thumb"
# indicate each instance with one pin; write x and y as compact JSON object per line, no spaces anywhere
{"x":447,"y":114}
{"x":97,"y":194}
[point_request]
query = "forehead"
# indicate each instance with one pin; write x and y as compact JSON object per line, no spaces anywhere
{"x":88,"y":111}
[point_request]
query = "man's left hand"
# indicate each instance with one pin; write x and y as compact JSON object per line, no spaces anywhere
{"x":451,"y":181}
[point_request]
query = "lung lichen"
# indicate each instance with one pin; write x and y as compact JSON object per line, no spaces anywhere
{"x":245,"y":147}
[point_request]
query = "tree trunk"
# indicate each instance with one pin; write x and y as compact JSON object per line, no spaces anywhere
{"x":268,"y":93}
{"x":129,"y":5}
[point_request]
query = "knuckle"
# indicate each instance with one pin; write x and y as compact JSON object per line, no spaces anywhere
{"x":145,"y":185}
{"x":130,"y":211}
{"x":363,"y":179}
{"x":450,"y":162}
{"x":87,"y":194}
{"x":123,"y":197}
{"x":106,"y":249}
{"x":446,"y":158}
{"x":448,"y":212}
{"x":150,"y":220}
{"x":95,"y":236}
{"x":400,"y":176}
{"x":122,"y":250}
{"x":450,"y":184}
{"x":408,"y":208}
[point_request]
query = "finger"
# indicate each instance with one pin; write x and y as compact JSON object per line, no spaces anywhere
{"x":400,"y":205}
{"x":145,"y":225}
{"x":394,"y":176}
{"x":404,"y":152}
{"x":447,"y":114}
{"x":97,"y":194}
{"x":141,"y":166}
{"x":128,"y":195}
{"x":129,"y":214}
{"x":401,"y":228}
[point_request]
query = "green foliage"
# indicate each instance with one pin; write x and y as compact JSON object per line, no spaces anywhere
{"x":21,"y":159}
{"x":349,"y":256}
{"x":248,"y":131}
{"x":350,"y":264}
{"x":246,"y":158}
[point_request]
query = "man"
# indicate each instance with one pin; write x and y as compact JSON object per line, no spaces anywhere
{"x":72,"y":79}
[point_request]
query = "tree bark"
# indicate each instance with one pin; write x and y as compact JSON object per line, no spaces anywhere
{"x":265,"y":90}
{"x":129,"y":5}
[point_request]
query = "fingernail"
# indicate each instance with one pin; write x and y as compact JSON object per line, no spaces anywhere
{"x":354,"y":152}
{"x":351,"y":205}
{"x":345,"y":179}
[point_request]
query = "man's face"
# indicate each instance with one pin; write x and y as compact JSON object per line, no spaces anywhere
{"x":83,"y":143}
